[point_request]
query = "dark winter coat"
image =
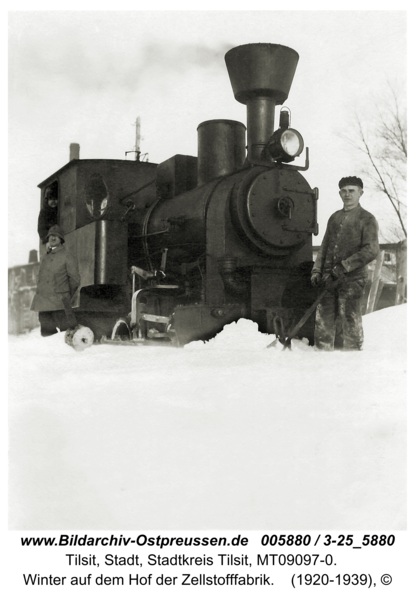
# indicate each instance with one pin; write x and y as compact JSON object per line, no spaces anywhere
{"x":58,"y":277}
{"x":48,"y":217}
{"x":351,"y":239}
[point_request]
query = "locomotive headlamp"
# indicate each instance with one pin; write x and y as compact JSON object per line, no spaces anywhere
{"x":292,"y":142}
{"x":285,"y":144}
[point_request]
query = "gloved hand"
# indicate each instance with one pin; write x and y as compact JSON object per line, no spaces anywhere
{"x":329,"y":281}
{"x":315,"y":279}
{"x":338,"y":272}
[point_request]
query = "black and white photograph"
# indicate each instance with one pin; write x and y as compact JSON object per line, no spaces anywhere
{"x":207,"y":275}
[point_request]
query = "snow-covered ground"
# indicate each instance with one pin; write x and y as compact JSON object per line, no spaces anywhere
{"x":224,"y":435}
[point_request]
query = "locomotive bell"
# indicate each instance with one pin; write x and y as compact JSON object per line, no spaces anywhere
{"x":261,"y":76}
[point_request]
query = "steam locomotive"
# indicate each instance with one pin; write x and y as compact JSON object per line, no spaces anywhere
{"x":171,"y":252}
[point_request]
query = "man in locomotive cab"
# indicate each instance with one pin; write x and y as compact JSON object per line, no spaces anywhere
{"x":57,"y":283}
{"x":350,"y":243}
{"x":48,"y":215}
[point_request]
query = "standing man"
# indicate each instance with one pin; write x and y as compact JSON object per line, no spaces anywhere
{"x":57,"y":282}
{"x":350,"y":243}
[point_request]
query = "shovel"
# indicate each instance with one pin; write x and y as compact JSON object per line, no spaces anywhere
{"x":330,"y":284}
{"x":286,"y":339}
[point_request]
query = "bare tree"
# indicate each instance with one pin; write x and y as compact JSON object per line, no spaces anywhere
{"x":382,"y":139}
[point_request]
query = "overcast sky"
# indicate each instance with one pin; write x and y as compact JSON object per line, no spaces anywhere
{"x":85,"y":76}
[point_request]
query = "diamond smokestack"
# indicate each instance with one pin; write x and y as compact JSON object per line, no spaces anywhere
{"x":261,"y":76}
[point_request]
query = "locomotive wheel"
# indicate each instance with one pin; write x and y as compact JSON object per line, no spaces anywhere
{"x":121,"y":330}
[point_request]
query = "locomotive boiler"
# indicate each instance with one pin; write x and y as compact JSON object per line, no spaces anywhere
{"x":172,"y":252}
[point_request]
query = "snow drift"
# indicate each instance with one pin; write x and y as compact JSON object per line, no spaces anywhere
{"x":223,"y":435}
